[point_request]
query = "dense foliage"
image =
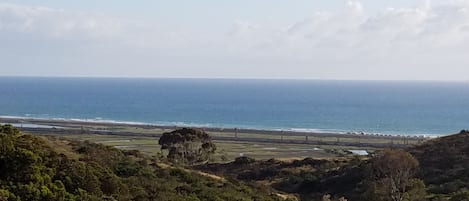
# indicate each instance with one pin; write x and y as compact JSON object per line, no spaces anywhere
{"x":445,"y":166}
{"x":34,"y":168}
{"x":392,"y":178}
{"x":187,"y":146}
{"x":39,"y":168}
{"x":437,"y":170}
{"x":309,"y":179}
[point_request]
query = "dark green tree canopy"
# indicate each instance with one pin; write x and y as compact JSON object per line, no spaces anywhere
{"x":8,"y":129}
{"x":187,"y":146}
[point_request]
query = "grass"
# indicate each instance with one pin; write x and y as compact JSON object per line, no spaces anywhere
{"x":226,"y":150}
{"x":229,"y":147}
{"x":352,"y":139}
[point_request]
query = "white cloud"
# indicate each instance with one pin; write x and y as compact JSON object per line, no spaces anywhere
{"x":432,"y":26}
{"x":393,"y":43}
{"x":56,"y":23}
{"x":400,"y":40}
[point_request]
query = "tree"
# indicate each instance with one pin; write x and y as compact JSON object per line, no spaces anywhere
{"x":7,"y":135}
{"x":327,"y":197}
{"x":9,"y":130}
{"x":417,"y":191}
{"x":6,"y":195}
{"x":187,"y":146}
{"x":392,"y":177}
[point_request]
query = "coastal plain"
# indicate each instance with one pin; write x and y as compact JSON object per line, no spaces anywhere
{"x":231,"y":142}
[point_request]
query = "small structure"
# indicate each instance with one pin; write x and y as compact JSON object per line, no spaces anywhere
{"x":359,"y":152}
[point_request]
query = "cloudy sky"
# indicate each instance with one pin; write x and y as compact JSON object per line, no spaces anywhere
{"x":294,"y":39}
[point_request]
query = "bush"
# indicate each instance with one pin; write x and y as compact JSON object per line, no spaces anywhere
{"x":244,"y":160}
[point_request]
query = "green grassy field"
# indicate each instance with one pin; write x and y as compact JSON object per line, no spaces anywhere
{"x":226,"y":150}
{"x":230,"y":144}
{"x":353,"y":139}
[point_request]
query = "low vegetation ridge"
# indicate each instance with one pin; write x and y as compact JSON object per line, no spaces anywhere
{"x":437,"y":170}
{"x":51,"y":168}
{"x":38,"y":168}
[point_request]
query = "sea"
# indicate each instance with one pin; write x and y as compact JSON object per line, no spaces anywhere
{"x":381,"y":107}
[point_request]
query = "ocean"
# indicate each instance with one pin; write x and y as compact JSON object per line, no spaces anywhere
{"x":385,"y":107}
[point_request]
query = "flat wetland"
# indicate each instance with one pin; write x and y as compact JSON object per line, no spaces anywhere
{"x":231,"y":143}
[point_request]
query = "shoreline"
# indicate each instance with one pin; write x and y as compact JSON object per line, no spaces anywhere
{"x":77,"y":123}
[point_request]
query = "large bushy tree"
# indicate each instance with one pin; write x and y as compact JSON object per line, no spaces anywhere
{"x":187,"y":146}
{"x":392,"y":177}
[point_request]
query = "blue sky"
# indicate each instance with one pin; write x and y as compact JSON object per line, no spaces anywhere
{"x":298,"y":39}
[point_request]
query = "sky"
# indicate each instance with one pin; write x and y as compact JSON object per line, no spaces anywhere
{"x":266,"y":39}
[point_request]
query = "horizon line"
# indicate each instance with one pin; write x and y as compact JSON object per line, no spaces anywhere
{"x":226,"y":78}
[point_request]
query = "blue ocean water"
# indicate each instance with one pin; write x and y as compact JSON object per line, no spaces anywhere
{"x":388,"y":107}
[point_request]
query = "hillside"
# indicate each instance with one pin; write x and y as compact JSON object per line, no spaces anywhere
{"x":38,"y":168}
{"x":308,"y":179}
{"x":444,"y":163}
{"x":50,"y":168}
{"x":443,"y":167}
